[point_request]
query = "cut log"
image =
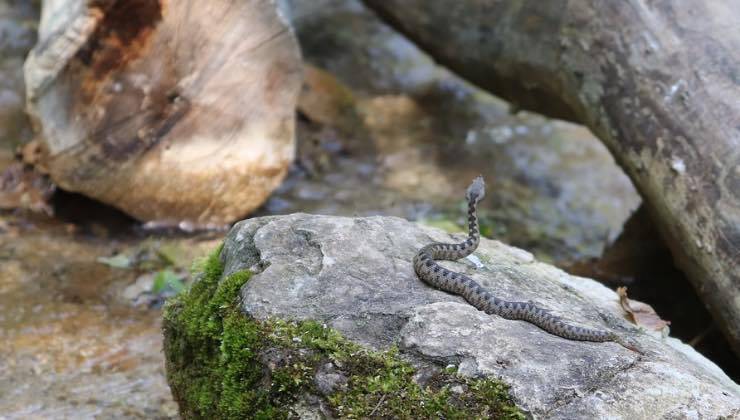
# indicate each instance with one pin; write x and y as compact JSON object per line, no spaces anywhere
{"x":173,"y":111}
{"x":658,"y":82}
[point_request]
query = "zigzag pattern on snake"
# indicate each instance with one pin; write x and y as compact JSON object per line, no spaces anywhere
{"x":460,"y":284}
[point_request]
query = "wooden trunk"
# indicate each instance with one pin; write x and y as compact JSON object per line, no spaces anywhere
{"x":657,"y":81}
{"x":174,"y":111}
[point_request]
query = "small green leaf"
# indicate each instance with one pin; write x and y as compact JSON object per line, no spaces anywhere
{"x":167,"y":279}
{"x":116,"y":261}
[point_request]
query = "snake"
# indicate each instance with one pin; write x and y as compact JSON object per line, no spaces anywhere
{"x":456,"y":283}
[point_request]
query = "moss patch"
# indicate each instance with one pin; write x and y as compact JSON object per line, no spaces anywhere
{"x":211,"y":348}
{"x":222,"y":364}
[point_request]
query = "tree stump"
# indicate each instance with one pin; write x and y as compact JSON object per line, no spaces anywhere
{"x":173,"y":111}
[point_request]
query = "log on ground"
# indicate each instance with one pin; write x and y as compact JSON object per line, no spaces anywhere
{"x":173,"y":111}
{"x":657,"y":82}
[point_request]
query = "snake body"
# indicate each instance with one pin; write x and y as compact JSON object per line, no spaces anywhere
{"x":439,"y":277}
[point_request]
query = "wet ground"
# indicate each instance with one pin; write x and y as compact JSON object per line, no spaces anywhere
{"x":80,"y":338}
{"x":381,"y":130}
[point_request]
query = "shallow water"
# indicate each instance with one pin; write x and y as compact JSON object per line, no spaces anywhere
{"x":73,"y":346}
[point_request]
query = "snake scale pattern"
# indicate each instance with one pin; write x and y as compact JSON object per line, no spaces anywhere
{"x":437,"y":276}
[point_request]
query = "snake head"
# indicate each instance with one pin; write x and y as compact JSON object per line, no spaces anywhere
{"x":476,"y":190}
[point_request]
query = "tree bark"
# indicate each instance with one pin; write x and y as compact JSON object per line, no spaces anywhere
{"x":177,"y":112}
{"x":657,"y":81}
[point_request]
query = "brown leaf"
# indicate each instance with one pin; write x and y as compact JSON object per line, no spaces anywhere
{"x":640,"y":314}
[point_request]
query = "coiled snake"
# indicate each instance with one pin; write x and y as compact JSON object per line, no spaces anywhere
{"x":460,"y":284}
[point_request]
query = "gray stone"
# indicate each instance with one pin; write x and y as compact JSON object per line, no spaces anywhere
{"x":328,"y":379}
{"x":355,"y":275}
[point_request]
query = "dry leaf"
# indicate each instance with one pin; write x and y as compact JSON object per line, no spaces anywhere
{"x":640,"y":314}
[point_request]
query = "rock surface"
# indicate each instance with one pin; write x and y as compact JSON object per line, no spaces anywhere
{"x":355,"y":275}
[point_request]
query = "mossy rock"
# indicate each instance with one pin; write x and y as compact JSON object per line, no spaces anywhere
{"x":223,"y":364}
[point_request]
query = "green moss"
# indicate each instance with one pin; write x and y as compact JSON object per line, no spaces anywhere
{"x":212,"y":349}
{"x":217,"y":365}
{"x":382,"y":385}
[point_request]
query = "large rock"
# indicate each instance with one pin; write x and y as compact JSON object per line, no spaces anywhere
{"x":171,"y":111}
{"x":355,"y":275}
